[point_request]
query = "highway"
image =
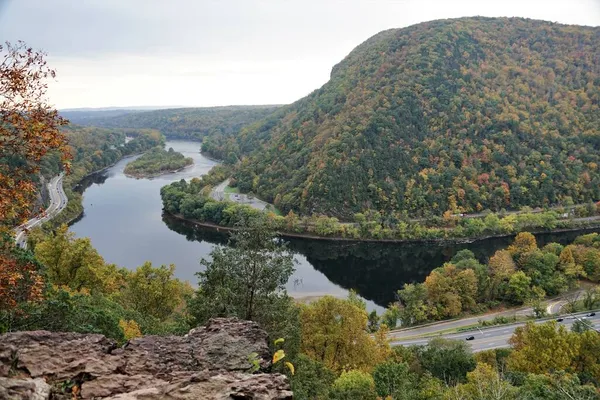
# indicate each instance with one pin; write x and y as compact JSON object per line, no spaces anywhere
{"x":58,"y":201}
{"x":498,"y":336}
{"x":455,"y":324}
{"x":554,"y":307}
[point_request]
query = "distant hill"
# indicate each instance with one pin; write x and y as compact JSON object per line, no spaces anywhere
{"x":87,"y":116}
{"x":217,"y":123}
{"x":461,"y":115}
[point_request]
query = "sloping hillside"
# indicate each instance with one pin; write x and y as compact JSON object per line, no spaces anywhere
{"x":460,"y":115}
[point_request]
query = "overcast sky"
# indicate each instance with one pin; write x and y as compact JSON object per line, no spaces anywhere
{"x":221,"y":52}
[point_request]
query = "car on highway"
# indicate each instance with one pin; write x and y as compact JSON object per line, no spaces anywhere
{"x":560,"y":319}
{"x":470,"y":338}
{"x":592,"y":314}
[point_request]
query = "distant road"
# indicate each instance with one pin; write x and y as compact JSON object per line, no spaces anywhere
{"x":58,"y":201}
{"x":496,"y":337}
{"x":455,"y":324}
{"x":218,"y":193}
{"x":554,"y":306}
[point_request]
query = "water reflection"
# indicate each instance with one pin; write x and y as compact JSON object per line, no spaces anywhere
{"x":124,"y":220}
{"x":375,"y":270}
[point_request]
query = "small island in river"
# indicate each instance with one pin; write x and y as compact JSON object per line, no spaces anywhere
{"x":156,"y":162}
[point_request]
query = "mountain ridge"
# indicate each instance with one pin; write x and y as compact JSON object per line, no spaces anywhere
{"x":448,"y":115}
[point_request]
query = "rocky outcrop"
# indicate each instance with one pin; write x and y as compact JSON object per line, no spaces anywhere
{"x":210,"y":362}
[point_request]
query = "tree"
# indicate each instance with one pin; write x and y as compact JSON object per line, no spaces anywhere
{"x":524,"y":242}
{"x":395,"y":380}
{"x":448,"y":360}
{"x":243,"y":277}
{"x":567,"y":265}
{"x":75,"y":263}
{"x":587,"y":362}
{"x":66,"y":311}
{"x":131,"y":329}
{"x":442,"y":300}
{"x":591,"y":298}
{"x":465,"y":260}
{"x":557,"y":386}
{"x":373,"y":323}
{"x":566,"y":257}
{"x":518,"y":287}
{"x":462,"y":255}
{"x":246,"y":279}
{"x":355,"y":299}
{"x":542,"y":348}
{"x":334,"y":332}
{"x":543,"y":270}
{"x":495,"y":358}
{"x":391,"y":315}
{"x":431,"y":388}
{"x":312,"y":379}
{"x":484,"y":383}
{"x":29,"y":129}
{"x":413,"y":297}
{"x":581,"y":325}
{"x":536,"y":301}
{"x":501,"y":266}
{"x":450,"y":291}
{"x":353,"y":385}
{"x":154,"y":291}
{"x":21,"y":276}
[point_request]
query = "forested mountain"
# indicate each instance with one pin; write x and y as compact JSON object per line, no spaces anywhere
{"x":184,"y":123}
{"x":460,"y":115}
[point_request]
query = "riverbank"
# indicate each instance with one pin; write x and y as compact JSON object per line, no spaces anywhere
{"x":208,"y":156}
{"x":205,"y":200}
{"x":437,"y":241}
{"x":74,"y":209}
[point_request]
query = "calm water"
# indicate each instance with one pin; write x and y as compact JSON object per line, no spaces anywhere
{"x":123,"y":217}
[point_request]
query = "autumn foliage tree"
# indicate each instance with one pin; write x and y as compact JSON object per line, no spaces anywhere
{"x":20,"y":277}
{"x":29,"y":128}
{"x":334,"y":332}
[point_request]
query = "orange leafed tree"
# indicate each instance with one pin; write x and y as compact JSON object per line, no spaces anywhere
{"x":20,"y":279}
{"x":29,"y":129}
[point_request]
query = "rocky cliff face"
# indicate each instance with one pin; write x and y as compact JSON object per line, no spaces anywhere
{"x":210,"y":362}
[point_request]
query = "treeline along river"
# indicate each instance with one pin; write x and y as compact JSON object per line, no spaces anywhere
{"x":124,"y":219}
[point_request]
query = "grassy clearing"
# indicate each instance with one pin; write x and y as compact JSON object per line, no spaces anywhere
{"x":229,"y":190}
{"x":275,"y":211}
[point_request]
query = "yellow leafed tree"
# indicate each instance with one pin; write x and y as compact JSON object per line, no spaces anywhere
{"x":131,"y":329}
{"x":334,"y":333}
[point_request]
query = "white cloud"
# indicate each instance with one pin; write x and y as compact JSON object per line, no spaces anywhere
{"x":213,"y":52}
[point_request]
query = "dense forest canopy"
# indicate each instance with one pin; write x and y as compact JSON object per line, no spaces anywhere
{"x":211,"y":124}
{"x":460,"y":115}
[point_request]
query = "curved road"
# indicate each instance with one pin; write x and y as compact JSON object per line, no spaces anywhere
{"x":498,"y":336}
{"x":58,"y":201}
{"x":218,"y":193}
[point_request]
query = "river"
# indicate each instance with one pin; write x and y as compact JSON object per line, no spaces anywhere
{"x":123,"y":217}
